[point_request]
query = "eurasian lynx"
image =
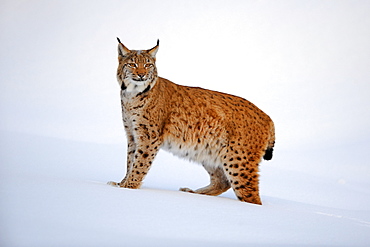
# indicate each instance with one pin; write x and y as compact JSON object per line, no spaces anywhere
{"x":228,"y":135}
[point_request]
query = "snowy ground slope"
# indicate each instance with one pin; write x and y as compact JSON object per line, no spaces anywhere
{"x":53,"y":193}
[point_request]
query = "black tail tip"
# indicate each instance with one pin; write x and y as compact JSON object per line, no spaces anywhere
{"x":268,"y":154}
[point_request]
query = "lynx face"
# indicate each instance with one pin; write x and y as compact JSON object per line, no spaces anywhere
{"x":136,"y":70}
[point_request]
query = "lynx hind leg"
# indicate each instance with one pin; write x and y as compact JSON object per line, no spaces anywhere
{"x":241,"y":169}
{"x":218,"y":183}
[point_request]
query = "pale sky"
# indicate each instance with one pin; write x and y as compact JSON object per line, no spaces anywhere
{"x":305,"y":63}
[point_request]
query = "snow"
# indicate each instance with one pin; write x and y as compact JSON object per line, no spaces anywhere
{"x":305,"y":63}
{"x":54,"y":193}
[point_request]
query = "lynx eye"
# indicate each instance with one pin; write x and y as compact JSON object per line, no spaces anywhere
{"x":132,"y":65}
{"x":149,"y":65}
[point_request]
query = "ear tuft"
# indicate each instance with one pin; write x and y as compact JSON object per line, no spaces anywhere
{"x":154,"y":50}
{"x":122,"y":50}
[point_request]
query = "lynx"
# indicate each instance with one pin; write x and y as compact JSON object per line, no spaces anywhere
{"x":227,"y":134}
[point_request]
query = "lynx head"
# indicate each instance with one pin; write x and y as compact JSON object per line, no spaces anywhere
{"x":136,"y":71}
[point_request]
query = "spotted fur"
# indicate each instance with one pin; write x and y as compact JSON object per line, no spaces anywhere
{"x":227,"y":134}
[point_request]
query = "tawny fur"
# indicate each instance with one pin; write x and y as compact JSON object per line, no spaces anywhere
{"x":227,"y":134}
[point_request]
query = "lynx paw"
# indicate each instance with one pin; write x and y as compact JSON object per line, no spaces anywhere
{"x":187,"y":190}
{"x":113,"y":184}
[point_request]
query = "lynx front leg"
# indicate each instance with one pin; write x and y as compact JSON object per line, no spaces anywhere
{"x":131,"y":147}
{"x":129,"y":161}
{"x":142,"y":159}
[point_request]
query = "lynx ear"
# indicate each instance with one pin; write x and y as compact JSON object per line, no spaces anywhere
{"x":122,"y":50}
{"x":154,"y":50}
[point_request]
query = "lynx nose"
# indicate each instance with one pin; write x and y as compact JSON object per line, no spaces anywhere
{"x":141,"y":76}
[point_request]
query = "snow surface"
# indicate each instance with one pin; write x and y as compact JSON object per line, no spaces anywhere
{"x":54,"y":193}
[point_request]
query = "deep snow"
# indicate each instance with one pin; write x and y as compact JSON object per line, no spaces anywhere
{"x":54,"y":193}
